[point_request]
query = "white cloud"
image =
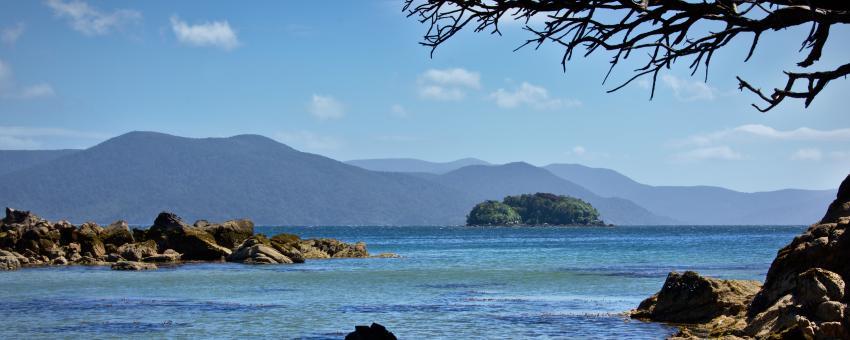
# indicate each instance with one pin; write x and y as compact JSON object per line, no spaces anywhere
{"x":808,"y":154}
{"x":10,"y":89}
{"x":840,"y":155}
{"x":215,"y":34}
{"x":35,"y":91}
{"x":11,"y":34}
{"x":441,"y":93}
{"x":534,"y":96}
{"x":708,"y":153}
{"x":766,"y":132}
{"x":453,"y":77}
{"x":447,"y":84}
{"x":306,"y":140}
{"x":20,"y":137}
{"x":579,"y":150}
{"x":399,"y":111}
{"x":89,"y":20}
{"x":326,"y":107}
{"x":686,"y":90}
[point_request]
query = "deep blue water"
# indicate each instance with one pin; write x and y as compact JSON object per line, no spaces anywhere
{"x":452,"y":283}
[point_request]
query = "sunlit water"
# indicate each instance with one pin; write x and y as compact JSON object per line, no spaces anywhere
{"x":451,"y":282}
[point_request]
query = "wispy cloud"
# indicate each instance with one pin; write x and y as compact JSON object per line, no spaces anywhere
{"x":708,"y":153}
{"x":10,"y":89}
{"x":447,"y":84}
{"x":309,"y":141}
{"x":808,"y":154}
{"x":21,"y":137}
{"x":530,"y":95}
{"x":326,"y":107}
{"x":579,"y":150}
{"x":688,"y":90}
{"x":10,"y":35}
{"x":399,"y":111}
{"x":759,"y":131}
{"x":208,"y":34}
{"x":89,"y":20}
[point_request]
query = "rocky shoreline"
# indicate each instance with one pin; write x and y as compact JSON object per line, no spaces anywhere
{"x":803,"y":297}
{"x":27,"y":240}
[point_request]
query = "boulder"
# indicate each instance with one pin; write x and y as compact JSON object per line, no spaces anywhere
{"x":90,"y":242}
{"x":117,"y":233}
{"x":138,"y":251}
{"x":830,"y":311}
{"x":256,"y":250}
{"x":132,"y":265}
{"x":373,"y":332}
{"x":691,"y":298}
{"x":816,"y":285}
{"x":336,"y":248}
{"x":229,"y":234}
{"x":8,"y":261}
{"x":824,"y":246}
{"x":168,"y":256}
{"x":287,"y":244}
{"x":170,"y":232}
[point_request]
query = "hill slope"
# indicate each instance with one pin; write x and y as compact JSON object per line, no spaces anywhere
{"x":14,"y":160}
{"x":136,"y":175}
{"x":703,"y":204}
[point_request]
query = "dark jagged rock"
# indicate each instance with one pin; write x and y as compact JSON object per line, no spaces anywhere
{"x":170,"y":232}
{"x":373,"y":332}
{"x":691,"y":298}
{"x":840,"y":207}
{"x":288,"y":245}
{"x":20,"y":217}
{"x":131,"y":265}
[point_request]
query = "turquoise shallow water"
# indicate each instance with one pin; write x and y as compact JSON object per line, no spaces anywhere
{"x":452,"y":283}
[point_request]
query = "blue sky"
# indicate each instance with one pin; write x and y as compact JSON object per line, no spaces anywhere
{"x":348,"y":80}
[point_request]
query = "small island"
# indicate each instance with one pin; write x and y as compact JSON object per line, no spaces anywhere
{"x":534,"y":210}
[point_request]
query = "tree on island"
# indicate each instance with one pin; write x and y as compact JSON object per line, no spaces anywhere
{"x":664,"y":30}
{"x":536,"y":209}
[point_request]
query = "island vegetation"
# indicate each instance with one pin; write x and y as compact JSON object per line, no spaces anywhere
{"x":534,"y":209}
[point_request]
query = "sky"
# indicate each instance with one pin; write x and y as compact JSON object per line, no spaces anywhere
{"x":349,"y":80}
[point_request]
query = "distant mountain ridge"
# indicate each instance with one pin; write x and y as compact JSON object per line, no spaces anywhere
{"x":703,"y":204}
{"x":699,"y":205}
{"x":414,"y":165}
{"x":138,"y":174}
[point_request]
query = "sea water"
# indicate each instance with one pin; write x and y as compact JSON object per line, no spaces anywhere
{"x":450,"y":283}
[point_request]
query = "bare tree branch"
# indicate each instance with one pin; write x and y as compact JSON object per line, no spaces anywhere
{"x":666,"y":30}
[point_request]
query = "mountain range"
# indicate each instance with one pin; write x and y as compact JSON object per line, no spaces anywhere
{"x":136,"y":175}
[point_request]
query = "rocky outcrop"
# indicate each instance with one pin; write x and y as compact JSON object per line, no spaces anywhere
{"x":373,"y":332}
{"x":691,"y":298}
{"x":804,"y":295}
{"x":28,"y":240}
{"x":132,"y":265}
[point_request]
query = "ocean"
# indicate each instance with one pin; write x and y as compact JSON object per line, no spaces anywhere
{"x":450,"y":283}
